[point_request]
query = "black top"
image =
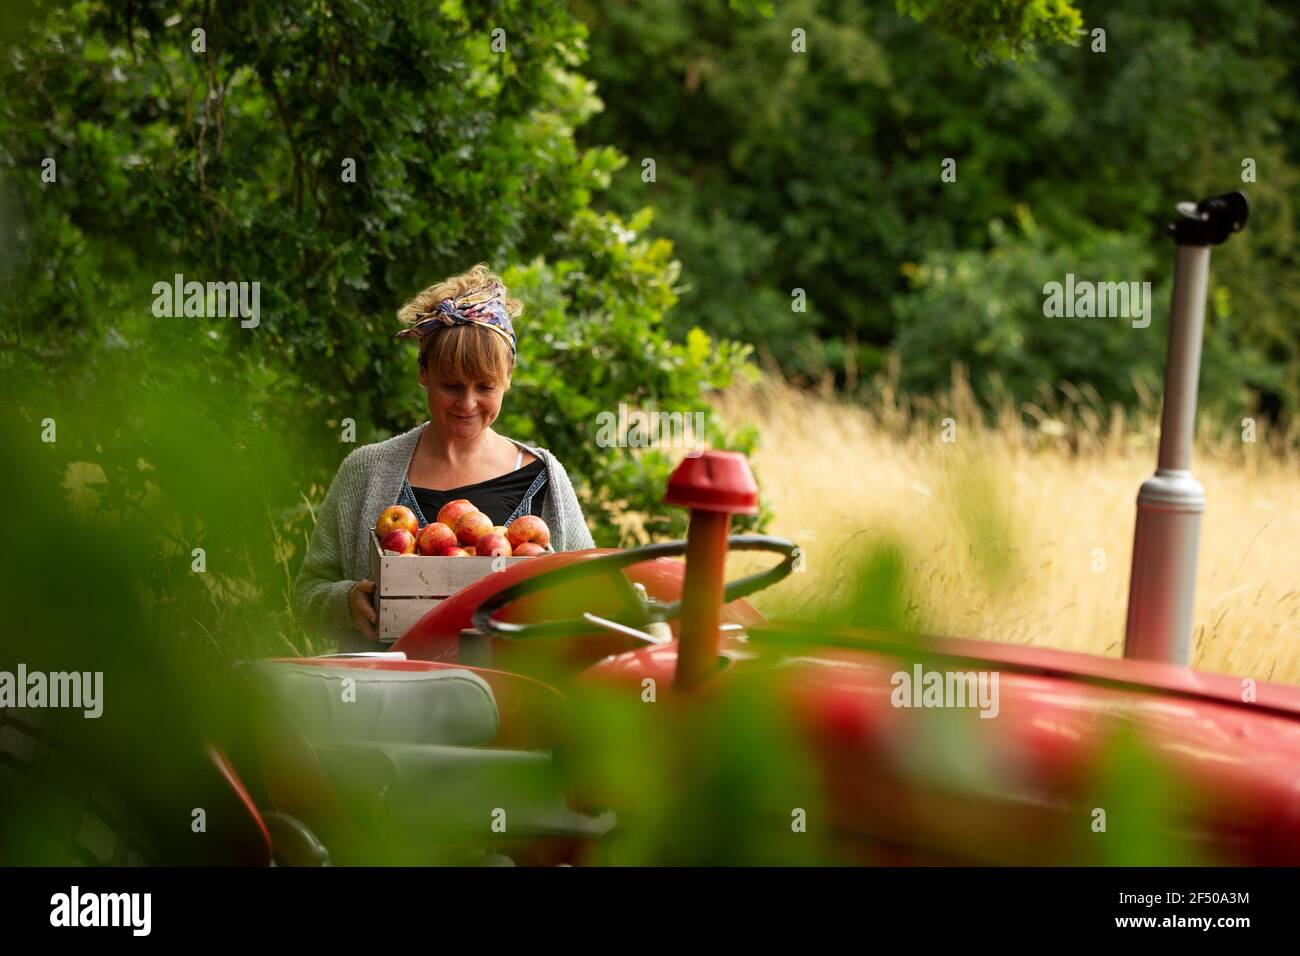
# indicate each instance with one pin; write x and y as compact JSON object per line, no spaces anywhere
{"x":497,"y":497}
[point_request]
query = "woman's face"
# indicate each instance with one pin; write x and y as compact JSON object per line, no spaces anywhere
{"x":461,"y":410}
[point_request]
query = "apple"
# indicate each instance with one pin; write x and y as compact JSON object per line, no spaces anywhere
{"x":394,"y":517}
{"x":493,"y":546}
{"x":470,"y":551}
{"x":434,"y":537}
{"x":528,"y":528}
{"x":453,"y":553}
{"x":472,"y":526}
{"x":499,"y":529}
{"x":450,"y":513}
{"x":399,"y":540}
{"x":529,"y":550}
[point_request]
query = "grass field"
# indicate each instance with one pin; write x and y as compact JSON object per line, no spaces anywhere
{"x":1023,"y":532}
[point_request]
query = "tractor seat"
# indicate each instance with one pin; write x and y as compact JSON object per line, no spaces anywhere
{"x":451,"y":707}
{"x":406,"y":754}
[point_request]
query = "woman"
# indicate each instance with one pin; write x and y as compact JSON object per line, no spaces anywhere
{"x":467,"y":355}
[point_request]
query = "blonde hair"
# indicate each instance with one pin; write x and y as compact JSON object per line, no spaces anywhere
{"x":462,"y":353}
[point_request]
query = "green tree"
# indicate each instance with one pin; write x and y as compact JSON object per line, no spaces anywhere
{"x":822,"y":170}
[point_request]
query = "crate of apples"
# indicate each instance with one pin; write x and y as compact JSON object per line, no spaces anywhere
{"x":460,"y":531}
{"x":406,"y":590}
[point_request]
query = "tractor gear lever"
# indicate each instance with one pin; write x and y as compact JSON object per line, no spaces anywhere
{"x":640,"y":635}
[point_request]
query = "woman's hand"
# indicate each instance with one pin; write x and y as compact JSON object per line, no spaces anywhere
{"x":363,"y":611}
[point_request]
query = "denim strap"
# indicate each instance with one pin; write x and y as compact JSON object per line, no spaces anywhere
{"x":407,"y":497}
{"x":527,"y":502}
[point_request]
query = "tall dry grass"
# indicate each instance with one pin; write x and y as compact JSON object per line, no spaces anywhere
{"x":1021,"y":530}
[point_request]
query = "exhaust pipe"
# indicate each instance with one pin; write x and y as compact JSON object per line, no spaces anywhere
{"x":1162,"y":585}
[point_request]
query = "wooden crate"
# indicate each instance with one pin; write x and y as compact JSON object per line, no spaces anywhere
{"x":407,"y":586}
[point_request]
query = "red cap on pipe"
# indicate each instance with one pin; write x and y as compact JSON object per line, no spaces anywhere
{"x":714,"y":481}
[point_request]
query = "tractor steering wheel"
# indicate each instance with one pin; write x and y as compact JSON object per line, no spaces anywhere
{"x":644,"y":610}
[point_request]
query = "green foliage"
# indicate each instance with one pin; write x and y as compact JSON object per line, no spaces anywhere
{"x":988,"y":310}
{"x":1147,"y":802}
{"x":995,"y":30}
{"x":710,"y":780}
{"x":821,"y":171}
{"x":146,"y":464}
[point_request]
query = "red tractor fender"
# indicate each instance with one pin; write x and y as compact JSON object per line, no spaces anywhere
{"x":1241,"y":760}
{"x":1236,"y":746}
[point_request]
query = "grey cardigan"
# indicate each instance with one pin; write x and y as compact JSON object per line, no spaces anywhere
{"x":370,"y":479}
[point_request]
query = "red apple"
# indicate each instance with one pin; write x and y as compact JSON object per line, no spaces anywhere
{"x":472,"y":526}
{"x":499,"y":529}
{"x":529,"y":550}
{"x":400,"y":540}
{"x":394,"y":517}
{"x":493,"y":546}
{"x":527,"y":528}
{"x":434,"y":537}
{"x":451,"y":512}
{"x":470,"y":551}
{"x":453,"y":553}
